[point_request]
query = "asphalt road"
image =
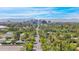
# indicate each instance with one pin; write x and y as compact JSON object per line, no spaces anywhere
{"x":37,"y":46}
{"x":10,"y":48}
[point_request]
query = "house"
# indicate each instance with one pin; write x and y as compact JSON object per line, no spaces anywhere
{"x":20,"y":42}
{"x":2,"y":38}
{"x":9,"y":35}
{"x":3,"y":27}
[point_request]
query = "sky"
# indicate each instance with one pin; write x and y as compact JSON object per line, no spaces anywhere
{"x":40,"y":12}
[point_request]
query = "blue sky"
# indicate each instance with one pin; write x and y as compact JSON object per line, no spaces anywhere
{"x":40,"y":12}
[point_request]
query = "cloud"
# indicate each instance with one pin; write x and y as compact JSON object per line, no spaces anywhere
{"x":67,"y":13}
{"x":73,"y":15}
{"x":40,"y":12}
{"x":25,"y":14}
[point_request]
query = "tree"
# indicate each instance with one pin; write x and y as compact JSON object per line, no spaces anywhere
{"x":29,"y":46}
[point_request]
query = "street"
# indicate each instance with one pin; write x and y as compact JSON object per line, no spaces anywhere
{"x":37,"y":46}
